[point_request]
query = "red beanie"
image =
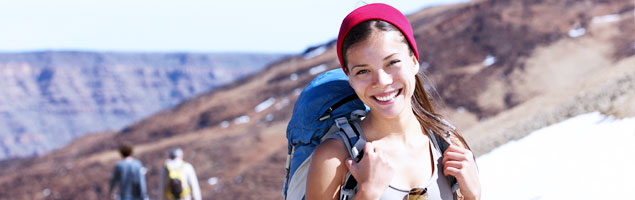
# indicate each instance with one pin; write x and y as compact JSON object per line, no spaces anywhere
{"x":373,"y":11}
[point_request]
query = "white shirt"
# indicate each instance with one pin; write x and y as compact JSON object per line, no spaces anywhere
{"x":190,"y":179}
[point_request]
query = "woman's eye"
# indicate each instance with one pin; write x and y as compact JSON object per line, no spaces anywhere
{"x":392,"y":62}
{"x":363,"y":71}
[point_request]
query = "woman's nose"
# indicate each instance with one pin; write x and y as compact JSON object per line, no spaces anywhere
{"x":382,"y":78}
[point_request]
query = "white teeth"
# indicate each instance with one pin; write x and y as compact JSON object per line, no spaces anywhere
{"x":388,"y":97}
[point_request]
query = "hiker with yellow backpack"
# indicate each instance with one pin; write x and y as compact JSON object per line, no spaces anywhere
{"x":178,"y":179}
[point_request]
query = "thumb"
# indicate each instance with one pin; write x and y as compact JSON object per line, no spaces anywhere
{"x":352,"y":167}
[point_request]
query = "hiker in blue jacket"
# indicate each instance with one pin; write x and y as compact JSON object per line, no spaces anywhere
{"x":129,"y":175}
{"x":377,"y":51}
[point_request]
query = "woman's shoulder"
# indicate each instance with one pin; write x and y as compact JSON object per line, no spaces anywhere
{"x":329,"y":149}
{"x":327,"y":169}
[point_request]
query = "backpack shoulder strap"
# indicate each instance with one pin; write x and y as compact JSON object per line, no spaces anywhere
{"x":438,"y":141}
{"x":352,"y":131}
{"x":349,"y":188}
{"x":442,"y":145}
{"x":349,"y":130}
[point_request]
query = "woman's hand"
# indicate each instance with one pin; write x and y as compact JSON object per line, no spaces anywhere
{"x":459,"y":162}
{"x":373,"y":173}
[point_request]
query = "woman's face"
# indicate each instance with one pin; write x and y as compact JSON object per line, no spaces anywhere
{"x":382,"y":73}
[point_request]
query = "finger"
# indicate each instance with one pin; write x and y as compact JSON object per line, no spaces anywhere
{"x":454,"y":156}
{"x":468,"y":153}
{"x":456,"y":148}
{"x":454,"y":164}
{"x":352,"y":167}
{"x":451,"y":171}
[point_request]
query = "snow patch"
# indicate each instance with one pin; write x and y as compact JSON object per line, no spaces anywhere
{"x":224,"y":124}
{"x":589,"y":156}
{"x":241,"y":120}
{"x":318,"y":69}
{"x":577,"y":31}
{"x":460,"y":109}
{"x":315,"y":52}
{"x":293,"y":76}
{"x":212,"y":181}
{"x":265,"y":104}
{"x":606,"y":18}
{"x":269,"y":117}
{"x":46,"y":192}
{"x":489,"y":60}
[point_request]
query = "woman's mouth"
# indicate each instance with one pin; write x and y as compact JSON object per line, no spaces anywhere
{"x":387,"y":97}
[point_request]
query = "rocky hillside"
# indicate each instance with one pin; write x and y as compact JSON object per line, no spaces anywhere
{"x":49,"y":98}
{"x":499,"y":68}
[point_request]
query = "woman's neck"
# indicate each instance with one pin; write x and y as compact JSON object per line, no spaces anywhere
{"x":376,"y":127}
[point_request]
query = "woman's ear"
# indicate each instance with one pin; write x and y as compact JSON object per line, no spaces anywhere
{"x":416,"y":63}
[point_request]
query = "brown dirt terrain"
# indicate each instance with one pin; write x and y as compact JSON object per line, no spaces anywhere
{"x":541,"y":76}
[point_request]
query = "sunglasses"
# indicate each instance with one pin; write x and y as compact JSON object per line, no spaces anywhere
{"x":418,"y":194}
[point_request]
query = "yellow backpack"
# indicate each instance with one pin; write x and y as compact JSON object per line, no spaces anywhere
{"x":175,"y":189}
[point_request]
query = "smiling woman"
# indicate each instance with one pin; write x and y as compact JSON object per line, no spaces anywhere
{"x":377,"y":50}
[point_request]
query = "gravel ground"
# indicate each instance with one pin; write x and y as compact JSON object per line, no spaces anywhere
{"x":611,"y":92}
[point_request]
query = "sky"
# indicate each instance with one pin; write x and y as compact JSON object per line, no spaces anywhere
{"x":274,"y":26}
{"x":589,"y":156}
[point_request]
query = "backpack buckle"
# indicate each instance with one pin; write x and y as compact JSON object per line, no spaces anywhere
{"x":358,"y":114}
{"x":341,"y":121}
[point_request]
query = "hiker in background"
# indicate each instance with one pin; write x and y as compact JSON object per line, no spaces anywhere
{"x":129,"y":174}
{"x":377,"y":51}
{"x":178,"y":179}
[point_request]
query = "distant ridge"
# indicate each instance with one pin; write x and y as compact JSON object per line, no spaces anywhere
{"x":48,"y":98}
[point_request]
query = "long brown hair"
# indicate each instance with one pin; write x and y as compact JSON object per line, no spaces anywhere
{"x":421,"y":106}
{"x":428,"y":118}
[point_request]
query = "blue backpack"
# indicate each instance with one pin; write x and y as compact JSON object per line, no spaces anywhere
{"x":327,"y":108}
